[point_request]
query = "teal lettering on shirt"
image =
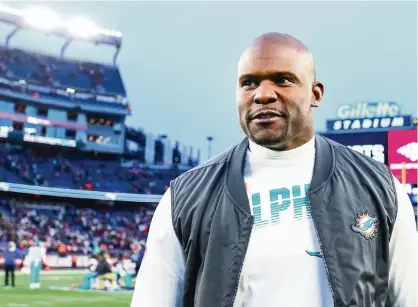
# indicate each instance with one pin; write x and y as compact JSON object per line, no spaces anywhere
{"x":280,"y":201}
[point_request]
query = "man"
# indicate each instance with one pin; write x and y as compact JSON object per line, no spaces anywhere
{"x":90,"y":274}
{"x":139,"y":256}
{"x":105,"y":276}
{"x":36,"y":257}
{"x":125,"y":272}
{"x":285,"y":218}
{"x":10,"y":257}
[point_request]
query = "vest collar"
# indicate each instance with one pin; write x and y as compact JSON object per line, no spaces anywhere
{"x":323,"y":170}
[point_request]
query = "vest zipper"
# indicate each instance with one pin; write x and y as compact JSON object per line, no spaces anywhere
{"x":323,"y":257}
{"x":242,"y":263}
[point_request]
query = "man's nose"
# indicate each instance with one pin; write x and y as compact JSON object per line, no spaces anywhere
{"x":265,"y":94}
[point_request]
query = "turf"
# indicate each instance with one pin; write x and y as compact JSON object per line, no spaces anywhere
{"x":22,"y":296}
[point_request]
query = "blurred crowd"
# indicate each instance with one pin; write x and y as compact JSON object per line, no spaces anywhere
{"x":55,"y":72}
{"x":66,"y":229}
{"x":22,"y":165}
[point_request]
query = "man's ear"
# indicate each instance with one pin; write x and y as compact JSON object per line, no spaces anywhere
{"x":317,"y":94}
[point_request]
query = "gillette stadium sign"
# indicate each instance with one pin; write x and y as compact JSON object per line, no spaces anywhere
{"x":370,"y":116}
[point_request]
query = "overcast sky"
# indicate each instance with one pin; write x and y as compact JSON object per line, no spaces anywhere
{"x":178,"y":59}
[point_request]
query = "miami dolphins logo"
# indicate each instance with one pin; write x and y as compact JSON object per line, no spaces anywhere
{"x":314,"y":254}
{"x":366,"y":225}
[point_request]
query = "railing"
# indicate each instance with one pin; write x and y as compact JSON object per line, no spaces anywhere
{"x":80,"y":194}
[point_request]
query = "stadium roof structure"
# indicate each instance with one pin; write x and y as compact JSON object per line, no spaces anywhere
{"x":78,"y":194}
{"x":48,"y":22}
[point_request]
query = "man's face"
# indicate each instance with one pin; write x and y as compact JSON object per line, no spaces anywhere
{"x":275,"y":95}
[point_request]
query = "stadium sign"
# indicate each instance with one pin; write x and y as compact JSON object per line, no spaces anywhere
{"x":8,"y":133}
{"x":49,"y":140}
{"x":371,"y":116}
{"x":403,"y":155}
{"x":374,"y":151}
{"x":383,"y":123}
{"x":21,"y":118}
{"x":371,"y":144}
{"x":70,"y":261}
{"x":368,"y":110}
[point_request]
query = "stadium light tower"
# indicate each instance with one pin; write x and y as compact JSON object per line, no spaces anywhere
{"x":83,"y":28}
{"x":41,"y":19}
{"x":49,"y":22}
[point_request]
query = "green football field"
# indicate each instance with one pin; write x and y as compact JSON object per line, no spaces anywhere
{"x":47,"y":296}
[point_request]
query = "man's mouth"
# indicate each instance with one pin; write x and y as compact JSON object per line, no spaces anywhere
{"x":264,"y":117}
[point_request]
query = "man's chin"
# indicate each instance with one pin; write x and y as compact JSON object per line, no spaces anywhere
{"x":268,"y":139}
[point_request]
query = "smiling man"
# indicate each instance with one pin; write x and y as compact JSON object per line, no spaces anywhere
{"x":275,"y":105}
{"x":286,"y":217}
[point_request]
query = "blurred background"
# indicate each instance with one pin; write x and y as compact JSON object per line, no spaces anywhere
{"x":103,"y":103}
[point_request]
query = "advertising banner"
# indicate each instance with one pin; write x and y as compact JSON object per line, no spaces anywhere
{"x":22,"y":118}
{"x":19,"y":136}
{"x":412,"y":191}
{"x":372,"y":124}
{"x":54,"y":261}
{"x":403,"y":155}
{"x":369,"y":116}
{"x":371,"y":144}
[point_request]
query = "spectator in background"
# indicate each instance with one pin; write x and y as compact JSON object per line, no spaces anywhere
{"x":139,"y":256}
{"x":10,"y":257}
{"x":62,"y":250}
{"x":105,"y":273}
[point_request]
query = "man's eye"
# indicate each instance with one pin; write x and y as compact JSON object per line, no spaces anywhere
{"x":248,"y":83}
{"x":284,"y":80}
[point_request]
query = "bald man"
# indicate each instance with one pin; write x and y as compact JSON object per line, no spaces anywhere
{"x":286,"y":217}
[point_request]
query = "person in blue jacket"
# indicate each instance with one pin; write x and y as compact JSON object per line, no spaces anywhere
{"x":139,"y":256}
{"x":10,"y":257}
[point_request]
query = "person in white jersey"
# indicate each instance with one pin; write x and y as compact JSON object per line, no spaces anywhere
{"x":36,"y":256}
{"x":318,"y":226}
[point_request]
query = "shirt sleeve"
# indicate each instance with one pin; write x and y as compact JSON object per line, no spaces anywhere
{"x":29,"y":255}
{"x":160,"y":277}
{"x":403,"y":254}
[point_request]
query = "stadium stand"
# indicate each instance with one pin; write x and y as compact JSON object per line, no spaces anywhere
{"x":19,"y":164}
{"x":52,"y":71}
{"x":66,"y":226}
{"x":72,"y":173}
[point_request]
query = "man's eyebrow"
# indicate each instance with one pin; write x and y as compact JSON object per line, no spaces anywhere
{"x":268,"y":76}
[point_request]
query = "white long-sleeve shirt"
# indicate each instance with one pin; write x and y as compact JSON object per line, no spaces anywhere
{"x":279,"y":243}
{"x":36,"y":254}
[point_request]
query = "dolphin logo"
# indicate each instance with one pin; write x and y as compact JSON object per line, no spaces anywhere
{"x":366,"y":225}
{"x":315,"y":254}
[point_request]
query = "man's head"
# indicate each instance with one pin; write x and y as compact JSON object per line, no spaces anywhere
{"x":276,"y":91}
{"x":12,"y":246}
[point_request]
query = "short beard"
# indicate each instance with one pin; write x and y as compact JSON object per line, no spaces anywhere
{"x":275,"y":141}
{"x":283,"y":139}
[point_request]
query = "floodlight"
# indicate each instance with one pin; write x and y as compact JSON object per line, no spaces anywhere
{"x":41,"y":18}
{"x":82,"y":27}
{"x":47,"y":21}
